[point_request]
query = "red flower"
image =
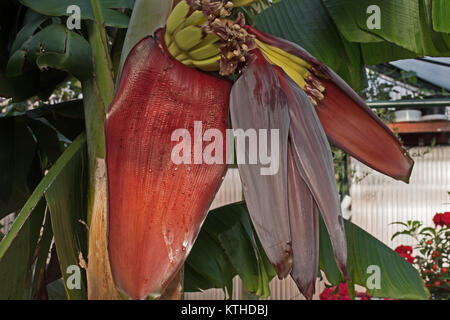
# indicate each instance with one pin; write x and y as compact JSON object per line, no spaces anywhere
{"x":437,"y":219}
{"x":327,"y":293}
{"x":442,"y":219}
{"x":363,"y":295}
{"x":343,"y":289}
{"x":405,"y":252}
{"x":342,"y":293}
{"x":446,"y":218}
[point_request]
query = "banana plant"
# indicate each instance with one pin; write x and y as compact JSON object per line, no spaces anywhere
{"x":107,"y":190}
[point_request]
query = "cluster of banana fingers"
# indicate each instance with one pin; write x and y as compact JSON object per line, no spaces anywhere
{"x":187,"y":41}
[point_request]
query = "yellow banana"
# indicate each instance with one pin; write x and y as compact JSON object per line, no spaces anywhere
{"x":283,"y":61}
{"x":291,"y":72}
{"x":204,"y":52}
{"x":275,"y":50}
{"x":177,"y":17}
{"x":188,"y":37}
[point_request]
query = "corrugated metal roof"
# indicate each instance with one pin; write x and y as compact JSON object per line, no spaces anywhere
{"x":435,"y":73}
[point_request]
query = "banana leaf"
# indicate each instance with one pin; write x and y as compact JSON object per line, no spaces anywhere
{"x":398,"y":278}
{"x":112,"y":17}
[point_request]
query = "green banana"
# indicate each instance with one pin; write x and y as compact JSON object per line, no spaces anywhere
{"x":189,"y":37}
{"x":177,"y":17}
{"x":196,"y":18}
{"x":295,"y":60}
{"x":291,"y":72}
{"x":209,"y":39}
{"x":210,"y":64}
{"x":204,"y":52}
{"x":173,"y":49}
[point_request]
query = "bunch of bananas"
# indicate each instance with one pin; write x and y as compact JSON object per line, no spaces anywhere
{"x":188,"y":42}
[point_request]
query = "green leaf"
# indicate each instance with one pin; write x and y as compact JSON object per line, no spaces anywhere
{"x":16,"y":260}
{"x":441,"y":15}
{"x":428,"y":229}
{"x":56,"y":290}
{"x":47,"y":140}
{"x":21,"y":136}
{"x":57,"y":47}
{"x":35,"y":20}
{"x":113,"y":18}
{"x":147,"y":16}
{"x":395,"y":235}
{"x":33,"y":201}
{"x":57,"y":187}
{"x":380,"y":52}
{"x":66,"y":117}
{"x":342,"y":13}
{"x":208,"y":261}
{"x":226,"y":247}
{"x":308,"y":24}
{"x":42,"y":254}
{"x":18,"y":148}
{"x":404,"y":23}
{"x":66,"y":199}
{"x":398,"y":278}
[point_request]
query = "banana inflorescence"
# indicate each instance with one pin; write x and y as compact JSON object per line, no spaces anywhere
{"x":200,"y":34}
{"x":296,"y":68}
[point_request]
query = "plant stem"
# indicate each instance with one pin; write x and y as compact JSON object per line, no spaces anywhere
{"x":98,"y":93}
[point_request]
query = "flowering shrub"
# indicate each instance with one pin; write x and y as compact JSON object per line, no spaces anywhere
{"x":433,"y":247}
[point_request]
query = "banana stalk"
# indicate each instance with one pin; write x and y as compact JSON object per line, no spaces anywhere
{"x":156,"y":207}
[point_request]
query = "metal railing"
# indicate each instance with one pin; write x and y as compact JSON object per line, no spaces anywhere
{"x":412,"y":103}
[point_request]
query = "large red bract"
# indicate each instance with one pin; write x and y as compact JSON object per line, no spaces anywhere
{"x":156,"y":207}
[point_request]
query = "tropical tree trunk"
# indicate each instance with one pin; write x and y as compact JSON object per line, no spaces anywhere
{"x":99,"y":277}
{"x":98,"y":92}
